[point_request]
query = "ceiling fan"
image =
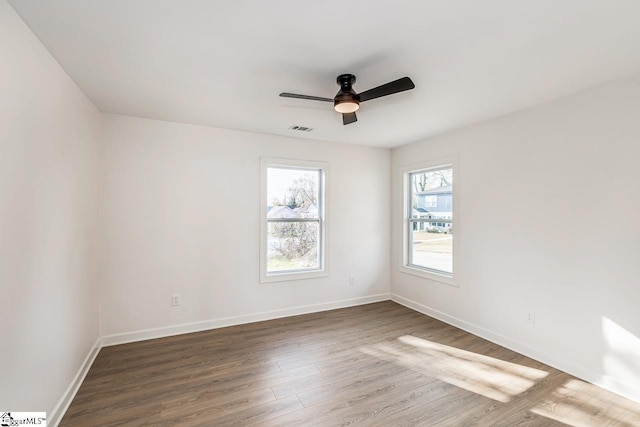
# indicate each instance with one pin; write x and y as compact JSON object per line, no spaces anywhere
{"x":347,"y":101}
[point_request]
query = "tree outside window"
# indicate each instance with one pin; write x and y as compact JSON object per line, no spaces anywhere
{"x":294,"y":218}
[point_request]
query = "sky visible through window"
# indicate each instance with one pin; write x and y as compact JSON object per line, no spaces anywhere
{"x":280,"y":181}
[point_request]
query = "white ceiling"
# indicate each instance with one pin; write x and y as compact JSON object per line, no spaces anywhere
{"x":223,"y":63}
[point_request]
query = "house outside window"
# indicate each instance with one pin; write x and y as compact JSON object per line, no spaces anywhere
{"x":293,"y":223}
{"x":429,"y":234}
{"x":430,"y":201}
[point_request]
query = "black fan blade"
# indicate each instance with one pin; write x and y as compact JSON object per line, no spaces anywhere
{"x":348,"y":118}
{"x":312,"y":98}
{"x":390,"y":88}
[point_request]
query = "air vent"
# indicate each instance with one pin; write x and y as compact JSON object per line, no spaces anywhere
{"x":301,"y":128}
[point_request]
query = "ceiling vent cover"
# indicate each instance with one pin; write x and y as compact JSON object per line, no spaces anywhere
{"x":301,"y":128}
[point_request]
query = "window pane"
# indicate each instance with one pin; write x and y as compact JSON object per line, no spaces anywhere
{"x":431,"y":192}
{"x":431,"y":249}
{"x":292,"y":193}
{"x":431,"y":199}
{"x":293,"y":224}
{"x":292,"y":246}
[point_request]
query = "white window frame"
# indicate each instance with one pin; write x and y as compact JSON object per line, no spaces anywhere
{"x":405,"y":267}
{"x":323,"y":196}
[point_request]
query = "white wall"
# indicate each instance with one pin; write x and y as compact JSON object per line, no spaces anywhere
{"x":180,"y":214}
{"x":48,"y":222}
{"x":548,"y":223}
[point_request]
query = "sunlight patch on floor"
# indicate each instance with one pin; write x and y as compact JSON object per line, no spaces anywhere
{"x":578,"y":403}
{"x":487,"y":376}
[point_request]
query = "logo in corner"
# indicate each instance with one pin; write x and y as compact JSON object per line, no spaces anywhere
{"x":6,"y":419}
{"x":9,"y":419}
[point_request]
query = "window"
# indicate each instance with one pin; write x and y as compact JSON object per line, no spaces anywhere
{"x":429,"y":245}
{"x":430,"y":201}
{"x":293,"y":220}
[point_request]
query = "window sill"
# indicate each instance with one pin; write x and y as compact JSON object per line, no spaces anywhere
{"x":430,"y":275}
{"x":284,"y":277}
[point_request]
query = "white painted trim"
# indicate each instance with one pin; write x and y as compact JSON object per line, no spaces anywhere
{"x":67,"y":397}
{"x":63,"y":404}
{"x":454,"y":162}
{"x":223,"y":322}
{"x":547,"y":359}
{"x":323,"y":209}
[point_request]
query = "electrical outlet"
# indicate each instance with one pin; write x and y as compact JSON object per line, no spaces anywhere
{"x":352,"y":280}
{"x":531,"y":318}
{"x":176,"y":300}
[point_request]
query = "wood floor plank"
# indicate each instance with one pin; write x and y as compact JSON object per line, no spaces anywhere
{"x":316,"y":415}
{"x":378,"y":364}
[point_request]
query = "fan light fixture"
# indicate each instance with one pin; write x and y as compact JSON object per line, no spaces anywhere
{"x":347,"y":101}
{"x":350,"y":106}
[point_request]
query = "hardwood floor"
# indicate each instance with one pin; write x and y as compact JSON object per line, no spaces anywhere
{"x":377,"y":364}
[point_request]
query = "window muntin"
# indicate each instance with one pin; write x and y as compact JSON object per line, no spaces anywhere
{"x":294,"y":228}
{"x":430,"y":197}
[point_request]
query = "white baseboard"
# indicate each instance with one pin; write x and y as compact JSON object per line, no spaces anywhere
{"x":63,"y":404}
{"x":547,"y":359}
{"x":186,"y":328}
{"x":474,"y":329}
{"x":58,"y":412}
{"x":55,"y":416}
